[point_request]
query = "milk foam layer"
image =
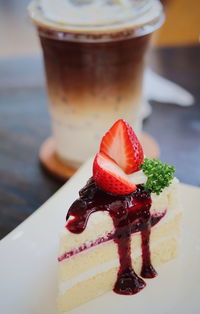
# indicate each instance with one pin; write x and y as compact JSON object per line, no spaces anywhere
{"x":88,"y":129}
{"x":94,"y":14}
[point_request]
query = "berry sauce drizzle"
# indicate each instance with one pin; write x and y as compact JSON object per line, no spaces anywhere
{"x":130,"y":213}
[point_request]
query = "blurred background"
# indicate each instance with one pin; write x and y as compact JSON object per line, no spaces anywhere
{"x":24,"y":120}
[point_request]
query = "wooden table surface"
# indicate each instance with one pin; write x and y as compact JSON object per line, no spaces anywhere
{"x":24,"y":124}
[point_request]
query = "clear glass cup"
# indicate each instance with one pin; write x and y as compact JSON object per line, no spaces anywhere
{"x":94,"y":76}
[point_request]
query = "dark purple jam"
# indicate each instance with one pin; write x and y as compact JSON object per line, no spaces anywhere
{"x":130,"y":214}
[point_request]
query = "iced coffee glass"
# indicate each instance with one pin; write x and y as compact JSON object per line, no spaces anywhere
{"x":94,"y":60}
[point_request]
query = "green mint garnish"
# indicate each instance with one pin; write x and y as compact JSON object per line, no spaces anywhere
{"x":159,"y":175}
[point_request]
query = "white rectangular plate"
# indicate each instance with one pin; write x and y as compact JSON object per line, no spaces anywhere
{"x":28,"y":263}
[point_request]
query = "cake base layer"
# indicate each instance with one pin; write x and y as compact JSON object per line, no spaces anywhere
{"x":84,"y":290}
{"x":104,"y":253}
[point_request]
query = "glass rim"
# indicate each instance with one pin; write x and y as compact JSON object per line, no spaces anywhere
{"x":128,"y":28}
{"x":101,"y":37}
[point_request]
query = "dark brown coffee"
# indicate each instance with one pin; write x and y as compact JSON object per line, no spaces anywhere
{"x":91,"y":84}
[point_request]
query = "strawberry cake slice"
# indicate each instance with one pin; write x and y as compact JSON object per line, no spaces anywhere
{"x":125,"y":223}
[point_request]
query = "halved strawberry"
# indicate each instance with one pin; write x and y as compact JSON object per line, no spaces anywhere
{"x":121,"y":144}
{"x":110,"y":177}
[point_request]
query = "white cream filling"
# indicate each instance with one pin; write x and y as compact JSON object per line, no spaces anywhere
{"x":68,"y":284}
{"x":137,"y":177}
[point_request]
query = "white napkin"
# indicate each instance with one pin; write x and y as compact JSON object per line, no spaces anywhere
{"x":162,"y":90}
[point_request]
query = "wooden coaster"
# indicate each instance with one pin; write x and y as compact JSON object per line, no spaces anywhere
{"x":57,"y":168}
{"x":52,"y":163}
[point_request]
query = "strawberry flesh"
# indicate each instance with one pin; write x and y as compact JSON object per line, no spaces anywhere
{"x":110,"y":177}
{"x":122,"y":145}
